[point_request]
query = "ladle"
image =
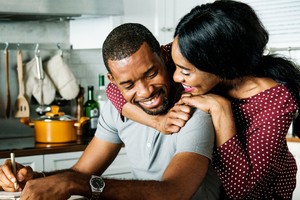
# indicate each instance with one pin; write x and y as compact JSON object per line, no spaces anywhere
{"x":41,"y":109}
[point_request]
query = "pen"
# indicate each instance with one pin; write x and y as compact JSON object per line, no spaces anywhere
{"x":13,"y":163}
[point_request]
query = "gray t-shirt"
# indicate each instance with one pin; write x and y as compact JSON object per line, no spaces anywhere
{"x":150,"y":151}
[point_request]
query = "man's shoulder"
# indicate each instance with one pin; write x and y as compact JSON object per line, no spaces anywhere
{"x":200,"y":115}
{"x":200,"y":121}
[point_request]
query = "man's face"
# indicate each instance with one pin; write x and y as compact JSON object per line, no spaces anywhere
{"x":142,"y":79}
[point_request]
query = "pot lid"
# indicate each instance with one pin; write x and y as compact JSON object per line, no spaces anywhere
{"x":55,"y":115}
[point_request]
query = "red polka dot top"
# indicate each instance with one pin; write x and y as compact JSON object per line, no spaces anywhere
{"x":256,"y":163}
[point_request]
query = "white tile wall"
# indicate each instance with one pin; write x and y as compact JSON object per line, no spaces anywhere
{"x":87,"y":65}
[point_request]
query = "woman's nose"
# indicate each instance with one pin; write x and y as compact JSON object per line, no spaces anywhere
{"x":177,"y":76}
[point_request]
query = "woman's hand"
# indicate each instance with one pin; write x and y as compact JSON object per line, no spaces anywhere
{"x":220,"y":110}
{"x":7,"y":178}
{"x":174,"y":120}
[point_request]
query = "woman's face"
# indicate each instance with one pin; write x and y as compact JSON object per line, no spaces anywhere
{"x":192,"y":79}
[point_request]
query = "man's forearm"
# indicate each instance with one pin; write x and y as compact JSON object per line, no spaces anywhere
{"x":42,"y":174}
{"x":138,"y":189}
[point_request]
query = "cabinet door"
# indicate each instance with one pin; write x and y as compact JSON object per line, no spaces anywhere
{"x":60,"y":160}
{"x":35,"y":162}
{"x":294,"y":148}
{"x":120,"y":167}
{"x":169,"y":14}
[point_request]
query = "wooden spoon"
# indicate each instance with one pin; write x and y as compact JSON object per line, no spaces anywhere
{"x":21,"y":105}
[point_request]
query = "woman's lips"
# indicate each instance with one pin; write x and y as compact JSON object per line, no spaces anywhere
{"x":187,"y":88}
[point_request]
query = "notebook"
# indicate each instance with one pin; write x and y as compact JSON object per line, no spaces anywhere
{"x":9,"y":195}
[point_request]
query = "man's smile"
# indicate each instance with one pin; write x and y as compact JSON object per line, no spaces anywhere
{"x":153,"y":101}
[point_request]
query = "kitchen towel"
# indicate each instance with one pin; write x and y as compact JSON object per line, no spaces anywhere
{"x":33,"y":85}
{"x":62,"y":77}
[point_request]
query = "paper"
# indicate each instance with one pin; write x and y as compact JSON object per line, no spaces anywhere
{"x":10,"y":195}
{"x":16,"y":196}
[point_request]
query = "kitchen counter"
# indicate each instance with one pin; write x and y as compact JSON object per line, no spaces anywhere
{"x":292,"y":139}
{"x":26,"y":146}
{"x":19,"y":138}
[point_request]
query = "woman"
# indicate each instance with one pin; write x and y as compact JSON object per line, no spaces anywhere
{"x":227,"y":39}
{"x":220,"y":46}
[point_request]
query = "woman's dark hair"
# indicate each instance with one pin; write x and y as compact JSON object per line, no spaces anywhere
{"x":226,"y":38}
{"x":117,"y":44}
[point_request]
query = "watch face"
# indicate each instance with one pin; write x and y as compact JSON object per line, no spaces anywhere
{"x":97,"y":183}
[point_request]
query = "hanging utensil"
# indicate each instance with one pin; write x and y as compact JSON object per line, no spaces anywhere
{"x":41,"y":109}
{"x":21,"y":108}
{"x":7,"y":108}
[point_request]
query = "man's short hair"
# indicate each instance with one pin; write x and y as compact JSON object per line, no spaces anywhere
{"x":125,"y":40}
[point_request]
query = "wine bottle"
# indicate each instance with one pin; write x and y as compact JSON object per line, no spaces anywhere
{"x":91,"y":110}
{"x":101,"y":97}
{"x":296,"y":125}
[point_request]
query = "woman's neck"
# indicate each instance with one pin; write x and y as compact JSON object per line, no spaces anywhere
{"x":249,"y":86}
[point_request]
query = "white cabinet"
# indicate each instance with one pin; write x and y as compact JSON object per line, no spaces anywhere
{"x":294,"y":148}
{"x":169,"y":14}
{"x":90,"y":33}
{"x":35,"y":162}
{"x":159,"y":16}
{"x":60,"y":160}
{"x":120,"y":167}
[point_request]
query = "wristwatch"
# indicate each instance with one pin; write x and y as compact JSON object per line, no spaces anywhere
{"x":97,"y":185}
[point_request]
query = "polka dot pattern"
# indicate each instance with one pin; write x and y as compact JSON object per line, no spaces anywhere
{"x":256,"y":162}
{"x":115,"y":96}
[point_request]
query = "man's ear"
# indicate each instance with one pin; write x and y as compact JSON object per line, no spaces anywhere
{"x":111,"y":78}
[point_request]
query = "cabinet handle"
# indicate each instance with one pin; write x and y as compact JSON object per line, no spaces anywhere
{"x":165,"y":29}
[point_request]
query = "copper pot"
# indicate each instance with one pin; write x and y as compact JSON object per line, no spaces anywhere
{"x":55,"y":127}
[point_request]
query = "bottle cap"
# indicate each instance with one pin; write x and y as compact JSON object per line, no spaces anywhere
{"x":101,"y":80}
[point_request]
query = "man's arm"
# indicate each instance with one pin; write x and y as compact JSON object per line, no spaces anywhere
{"x":181,"y":179}
{"x":96,"y":158}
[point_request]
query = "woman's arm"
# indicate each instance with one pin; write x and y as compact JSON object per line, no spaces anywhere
{"x":221,"y":113}
{"x":171,"y":122}
{"x":246,"y":160}
{"x":168,"y":123}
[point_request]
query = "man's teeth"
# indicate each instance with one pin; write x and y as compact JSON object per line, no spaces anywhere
{"x":150,"y":102}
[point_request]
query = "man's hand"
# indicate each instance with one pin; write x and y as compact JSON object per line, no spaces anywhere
{"x":59,"y":186}
{"x":175,"y":119}
{"x":45,"y":188}
{"x":7,"y":178}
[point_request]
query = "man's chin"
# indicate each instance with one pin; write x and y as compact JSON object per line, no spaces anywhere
{"x":153,"y":111}
{"x":157,"y":111}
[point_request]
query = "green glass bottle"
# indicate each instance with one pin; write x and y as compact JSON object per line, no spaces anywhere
{"x":91,"y":110}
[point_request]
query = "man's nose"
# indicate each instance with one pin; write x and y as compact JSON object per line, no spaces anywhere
{"x":144,"y":89}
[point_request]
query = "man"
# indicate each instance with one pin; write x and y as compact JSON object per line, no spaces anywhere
{"x":173,"y":166}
